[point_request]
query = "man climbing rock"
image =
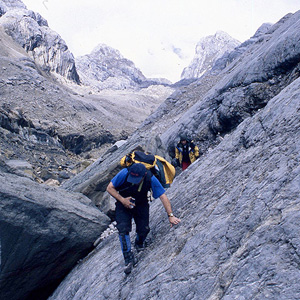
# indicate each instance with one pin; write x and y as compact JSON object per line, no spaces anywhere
{"x":130,"y":188}
{"x":186,"y":152}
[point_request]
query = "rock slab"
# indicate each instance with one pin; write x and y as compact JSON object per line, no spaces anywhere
{"x":44,"y":231}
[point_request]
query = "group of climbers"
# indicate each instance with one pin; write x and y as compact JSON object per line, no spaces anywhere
{"x":130,"y":188}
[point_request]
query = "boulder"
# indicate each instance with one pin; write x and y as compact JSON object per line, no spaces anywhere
{"x":44,"y":231}
{"x":22,"y":167}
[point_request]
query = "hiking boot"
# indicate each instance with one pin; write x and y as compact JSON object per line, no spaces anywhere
{"x":128,"y":268}
{"x":130,"y":262}
{"x":139,"y":248}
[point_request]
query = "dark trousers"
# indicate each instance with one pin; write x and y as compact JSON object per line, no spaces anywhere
{"x":140,"y":214}
{"x":185,"y":165}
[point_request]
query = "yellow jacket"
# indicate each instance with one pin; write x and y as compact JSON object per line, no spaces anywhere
{"x":192,"y":148}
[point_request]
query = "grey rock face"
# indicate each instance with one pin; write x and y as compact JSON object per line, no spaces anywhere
{"x":263,"y":29}
{"x":211,"y":107}
{"x":208,"y":50}
{"x":239,"y":233}
{"x":238,"y":203}
{"x":43,"y":233}
{"x":228,"y":57}
{"x":45,"y":46}
{"x":106,"y":68}
{"x":6,"y":5}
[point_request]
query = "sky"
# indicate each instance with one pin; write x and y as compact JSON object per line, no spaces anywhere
{"x":159,"y":36}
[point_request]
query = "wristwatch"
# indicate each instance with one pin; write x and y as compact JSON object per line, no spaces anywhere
{"x":170,"y":215}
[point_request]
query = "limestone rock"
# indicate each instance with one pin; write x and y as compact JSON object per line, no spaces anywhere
{"x":22,"y":167}
{"x":6,"y":5}
{"x":44,"y":231}
{"x":241,"y":89}
{"x":46,"y":47}
{"x":238,"y":202}
{"x":208,"y":50}
{"x":106,"y":68}
{"x":228,"y":57}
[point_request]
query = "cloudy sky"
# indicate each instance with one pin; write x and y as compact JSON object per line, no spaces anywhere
{"x":159,"y":36}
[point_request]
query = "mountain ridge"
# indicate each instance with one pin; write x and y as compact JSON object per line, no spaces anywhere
{"x":106,"y":68}
{"x":30,"y":30}
{"x":207,"y":51}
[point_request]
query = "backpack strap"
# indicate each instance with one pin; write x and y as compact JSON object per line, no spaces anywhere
{"x":147,"y":178}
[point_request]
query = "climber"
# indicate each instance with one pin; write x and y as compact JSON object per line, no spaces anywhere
{"x":130,"y":188}
{"x":186,"y":152}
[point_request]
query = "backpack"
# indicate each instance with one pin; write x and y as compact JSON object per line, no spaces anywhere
{"x":160,"y":168}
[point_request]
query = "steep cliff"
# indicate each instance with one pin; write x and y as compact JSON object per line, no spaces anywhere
{"x":208,"y":50}
{"x":30,"y":30}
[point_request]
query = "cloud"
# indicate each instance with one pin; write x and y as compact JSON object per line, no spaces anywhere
{"x":178,"y":52}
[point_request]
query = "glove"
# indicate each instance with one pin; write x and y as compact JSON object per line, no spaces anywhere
{"x":175,"y":162}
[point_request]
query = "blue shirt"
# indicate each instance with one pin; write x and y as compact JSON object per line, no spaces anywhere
{"x":157,"y":188}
